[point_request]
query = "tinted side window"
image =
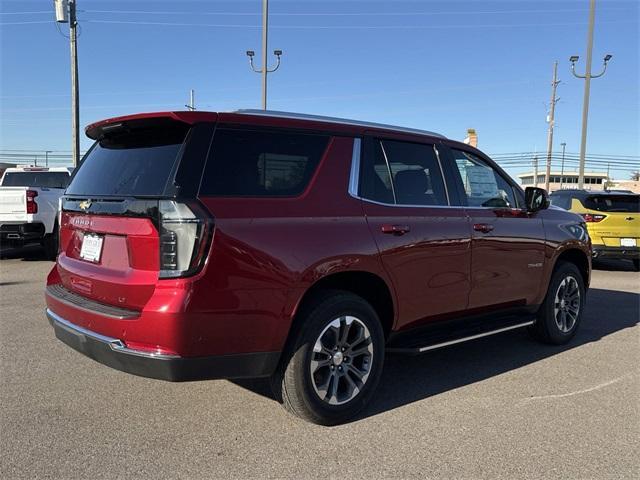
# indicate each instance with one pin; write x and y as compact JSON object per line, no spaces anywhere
{"x":375,"y":179}
{"x":261,"y":163}
{"x":562,"y":201}
{"x":417,"y":178}
{"x":483,"y":186}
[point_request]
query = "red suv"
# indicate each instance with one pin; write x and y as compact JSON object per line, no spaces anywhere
{"x":201,"y":245}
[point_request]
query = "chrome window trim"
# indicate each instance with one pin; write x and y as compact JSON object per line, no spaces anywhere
{"x":342,"y":121}
{"x":444,"y":179}
{"x":354,"y":176}
{"x":386,"y":161}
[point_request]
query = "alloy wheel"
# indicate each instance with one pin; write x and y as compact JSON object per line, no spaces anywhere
{"x":566,"y":305}
{"x":341,"y":360}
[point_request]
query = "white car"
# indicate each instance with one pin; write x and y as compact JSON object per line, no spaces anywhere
{"x":29,"y":206}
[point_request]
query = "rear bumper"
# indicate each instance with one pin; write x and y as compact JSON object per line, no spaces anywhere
{"x":22,"y":232}
{"x":615,"y":252}
{"x":113,"y":353}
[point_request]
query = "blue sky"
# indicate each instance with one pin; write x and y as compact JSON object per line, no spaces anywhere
{"x":439,"y":65}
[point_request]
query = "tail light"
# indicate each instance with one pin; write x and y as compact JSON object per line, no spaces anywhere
{"x":32,"y":206}
{"x":591,"y":218}
{"x":185,"y":236}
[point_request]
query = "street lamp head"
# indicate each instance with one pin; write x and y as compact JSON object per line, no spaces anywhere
{"x":277,"y":53}
{"x":250,"y":53}
{"x":607,"y":57}
{"x":573,"y":58}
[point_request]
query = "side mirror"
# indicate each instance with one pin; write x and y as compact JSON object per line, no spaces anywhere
{"x":536,"y":199}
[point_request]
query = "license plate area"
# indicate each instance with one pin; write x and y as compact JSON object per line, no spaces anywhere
{"x":91,"y":249}
{"x":628,"y":242}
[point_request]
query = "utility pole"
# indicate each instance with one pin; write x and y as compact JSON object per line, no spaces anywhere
{"x":535,"y":170}
{"x":250,"y":53}
{"x":75,"y":100}
{"x":46,"y":157}
{"x":552,"y":110}
{"x":66,"y":12}
{"x":564,"y":145}
{"x":192,"y":103}
{"x":587,"y":86}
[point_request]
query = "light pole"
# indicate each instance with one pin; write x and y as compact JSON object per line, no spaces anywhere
{"x":46,"y":157}
{"x":250,"y":53}
{"x":66,"y":13}
{"x":564,"y":145}
{"x":587,"y":86}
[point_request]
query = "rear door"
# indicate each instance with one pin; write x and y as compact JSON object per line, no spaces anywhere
{"x":508,"y":247}
{"x":110,"y":220}
{"x":423,"y":242}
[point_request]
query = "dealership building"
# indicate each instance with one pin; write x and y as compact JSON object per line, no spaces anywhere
{"x":559,"y":180}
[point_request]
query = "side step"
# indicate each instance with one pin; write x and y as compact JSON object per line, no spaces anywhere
{"x":441,"y":336}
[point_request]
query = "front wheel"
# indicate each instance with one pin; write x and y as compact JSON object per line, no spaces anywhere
{"x":336,"y":361}
{"x":561,"y":312}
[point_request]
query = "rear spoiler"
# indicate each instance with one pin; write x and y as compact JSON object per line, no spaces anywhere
{"x":97,"y":130}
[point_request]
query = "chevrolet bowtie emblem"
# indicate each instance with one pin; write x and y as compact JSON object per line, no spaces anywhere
{"x":84,"y":205}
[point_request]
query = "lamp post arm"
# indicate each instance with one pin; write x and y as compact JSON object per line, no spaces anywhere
{"x":277,"y":65}
{"x":604,"y":69}
{"x":253,"y":66}
{"x":573,"y":70}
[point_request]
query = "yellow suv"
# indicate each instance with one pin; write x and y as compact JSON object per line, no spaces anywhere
{"x":612,"y":218}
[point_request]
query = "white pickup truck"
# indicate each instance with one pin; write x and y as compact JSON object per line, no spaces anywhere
{"x":29,"y":206}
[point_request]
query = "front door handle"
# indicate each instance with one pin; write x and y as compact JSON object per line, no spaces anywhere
{"x":482,"y":227}
{"x":396,"y":229}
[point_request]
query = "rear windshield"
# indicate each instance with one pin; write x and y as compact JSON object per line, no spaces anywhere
{"x":613,"y":203}
{"x":261,"y":163}
{"x":135,"y":162}
{"x":36,"y":179}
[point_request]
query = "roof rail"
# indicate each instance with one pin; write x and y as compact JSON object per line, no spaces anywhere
{"x":344,"y":121}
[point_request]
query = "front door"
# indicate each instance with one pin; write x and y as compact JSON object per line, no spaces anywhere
{"x":508,"y":244}
{"x":423,"y":242}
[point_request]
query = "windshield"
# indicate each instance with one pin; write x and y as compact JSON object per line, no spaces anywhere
{"x":136,"y":162}
{"x":613,"y":203}
{"x":36,"y":179}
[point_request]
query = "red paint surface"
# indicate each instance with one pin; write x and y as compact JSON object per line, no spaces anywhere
{"x":266,"y":253}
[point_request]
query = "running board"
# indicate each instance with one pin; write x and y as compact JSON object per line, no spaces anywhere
{"x":421,"y":349}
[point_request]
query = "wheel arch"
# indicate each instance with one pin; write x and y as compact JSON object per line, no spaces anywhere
{"x":577,"y":257}
{"x":370,"y":286}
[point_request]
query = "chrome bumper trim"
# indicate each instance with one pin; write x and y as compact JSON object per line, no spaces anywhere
{"x":115,"y":344}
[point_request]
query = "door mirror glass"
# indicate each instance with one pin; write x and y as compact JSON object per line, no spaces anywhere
{"x":536,"y":199}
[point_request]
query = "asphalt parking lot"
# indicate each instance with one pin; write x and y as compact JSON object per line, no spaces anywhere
{"x":500,"y":407}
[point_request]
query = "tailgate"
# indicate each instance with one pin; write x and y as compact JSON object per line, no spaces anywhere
{"x":619,"y":225}
{"x":125,"y":271}
{"x":13,"y":204}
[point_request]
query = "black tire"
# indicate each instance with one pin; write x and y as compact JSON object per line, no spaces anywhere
{"x":297,"y":387}
{"x":549,"y":327}
{"x":50,"y":244}
{"x":636,"y":264}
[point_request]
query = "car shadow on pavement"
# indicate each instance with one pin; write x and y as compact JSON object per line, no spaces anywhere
{"x":613,"y":265}
{"x":30,"y":253}
{"x":408,"y":379}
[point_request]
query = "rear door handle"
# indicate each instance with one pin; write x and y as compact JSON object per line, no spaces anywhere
{"x":395,"y":229}
{"x":482,"y":227}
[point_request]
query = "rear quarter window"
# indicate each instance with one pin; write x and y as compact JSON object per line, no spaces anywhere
{"x":613,"y":203}
{"x":254,"y":163}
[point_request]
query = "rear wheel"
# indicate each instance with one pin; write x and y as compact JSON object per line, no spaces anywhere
{"x":561,"y":313}
{"x":334,"y":366}
{"x":636,"y":264}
